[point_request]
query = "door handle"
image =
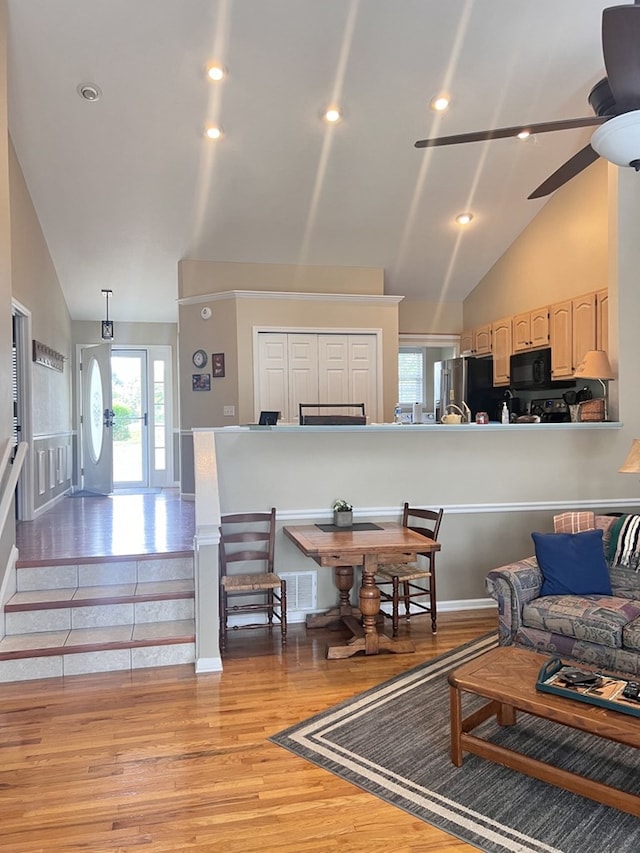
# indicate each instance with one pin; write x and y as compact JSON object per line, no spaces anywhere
{"x":108,"y":415}
{"x":145,"y":419}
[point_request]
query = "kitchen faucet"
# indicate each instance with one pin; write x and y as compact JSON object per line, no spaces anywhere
{"x":465,"y":412}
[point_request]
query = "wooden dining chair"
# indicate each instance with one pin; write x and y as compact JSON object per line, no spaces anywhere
{"x":407,"y":582}
{"x":248,"y":582}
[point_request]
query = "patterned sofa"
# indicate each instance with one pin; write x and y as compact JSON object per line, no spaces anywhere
{"x":603,"y":630}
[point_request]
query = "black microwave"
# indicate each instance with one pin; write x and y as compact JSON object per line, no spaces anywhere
{"x":531,"y":370}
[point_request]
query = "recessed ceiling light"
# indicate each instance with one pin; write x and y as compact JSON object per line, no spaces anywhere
{"x":216,"y":72}
{"x":439,"y":103}
{"x":524,"y":134}
{"x":89,"y":91}
{"x":464,"y":218}
{"x":332,"y":115}
{"x":213,"y":132}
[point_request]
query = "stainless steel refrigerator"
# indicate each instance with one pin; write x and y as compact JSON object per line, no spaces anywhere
{"x":465,"y":380}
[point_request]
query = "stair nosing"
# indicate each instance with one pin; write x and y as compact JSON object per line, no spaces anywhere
{"x":60,"y":604}
{"x":112,"y":558}
{"x":52,"y":651}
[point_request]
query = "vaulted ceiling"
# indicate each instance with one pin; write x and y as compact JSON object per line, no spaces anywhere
{"x":127,"y":185}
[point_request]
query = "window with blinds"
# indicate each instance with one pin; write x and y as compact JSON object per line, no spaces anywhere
{"x":411,"y":375}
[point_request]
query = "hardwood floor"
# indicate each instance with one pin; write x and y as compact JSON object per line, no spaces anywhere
{"x":163,"y":760}
{"x":111,"y":526}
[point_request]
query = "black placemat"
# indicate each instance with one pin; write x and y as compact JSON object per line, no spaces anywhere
{"x":359,"y":525}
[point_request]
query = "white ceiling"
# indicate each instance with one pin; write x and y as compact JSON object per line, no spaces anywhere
{"x":127,"y":186}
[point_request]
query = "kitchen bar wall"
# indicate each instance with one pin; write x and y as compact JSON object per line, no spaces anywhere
{"x":496,"y":484}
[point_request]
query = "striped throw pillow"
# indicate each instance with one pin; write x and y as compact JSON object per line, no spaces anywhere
{"x":624,"y":546}
{"x":574,"y":522}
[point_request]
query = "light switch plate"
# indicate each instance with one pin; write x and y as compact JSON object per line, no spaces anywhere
{"x":229,"y":411}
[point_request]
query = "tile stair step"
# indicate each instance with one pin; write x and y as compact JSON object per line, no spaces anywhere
{"x":77,"y":641}
{"x":48,"y":599}
{"x":79,"y":571}
{"x":99,"y":607}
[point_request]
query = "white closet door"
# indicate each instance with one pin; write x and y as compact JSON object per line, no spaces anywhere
{"x":363,"y":373}
{"x":303,"y":372}
{"x":333,"y":371}
{"x":273,"y":391}
{"x":316,"y":368}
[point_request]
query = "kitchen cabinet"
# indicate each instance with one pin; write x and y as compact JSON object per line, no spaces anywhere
{"x":530,"y":330}
{"x":572,"y":332}
{"x":602,"y":320}
{"x":476,"y":341}
{"x":501,"y":334}
{"x":583,"y":339}
{"x":560,"y":336}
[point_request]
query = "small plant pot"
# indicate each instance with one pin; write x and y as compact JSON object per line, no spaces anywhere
{"x":343,"y":519}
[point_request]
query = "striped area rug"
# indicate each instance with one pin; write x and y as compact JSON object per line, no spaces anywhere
{"x":393,"y":741}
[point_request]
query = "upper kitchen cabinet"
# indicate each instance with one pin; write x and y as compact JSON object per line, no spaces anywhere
{"x":501,"y":333}
{"x":476,"y":341}
{"x":602,"y":320}
{"x":560,"y":330}
{"x":572,"y":327}
{"x":584,"y":326}
{"x":530,"y":330}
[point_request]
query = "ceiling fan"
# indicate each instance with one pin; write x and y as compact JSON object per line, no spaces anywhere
{"x":615,"y":101}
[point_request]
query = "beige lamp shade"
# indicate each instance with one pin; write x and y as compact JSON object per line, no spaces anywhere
{"x":595,"y":365}
{"x":632,"y":462}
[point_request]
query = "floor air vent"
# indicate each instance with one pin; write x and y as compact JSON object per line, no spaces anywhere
{"x":302,"y":592}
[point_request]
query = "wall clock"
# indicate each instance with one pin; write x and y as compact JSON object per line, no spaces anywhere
{"x":199,"y":358}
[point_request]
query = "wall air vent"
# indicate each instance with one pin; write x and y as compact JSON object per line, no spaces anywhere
{"x":302,"y":591}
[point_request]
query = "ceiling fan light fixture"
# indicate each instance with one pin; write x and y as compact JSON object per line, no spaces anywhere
{"x":439,"y":103}
{"x":464,"y":218}
{"x":618,"y":140}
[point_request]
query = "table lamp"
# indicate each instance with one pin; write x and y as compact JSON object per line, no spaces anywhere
{"x":595,"y":365}
{"x":632,"y":462}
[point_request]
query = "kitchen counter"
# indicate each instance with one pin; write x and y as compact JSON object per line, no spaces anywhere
{"x":415,"y":428}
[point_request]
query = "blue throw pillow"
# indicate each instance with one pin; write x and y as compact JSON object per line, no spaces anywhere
{"x":572,"y":563}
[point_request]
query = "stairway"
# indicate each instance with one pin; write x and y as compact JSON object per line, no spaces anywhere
{"x":101,"y":614}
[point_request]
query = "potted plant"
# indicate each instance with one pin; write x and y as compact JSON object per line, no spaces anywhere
{"x":342,"y":513}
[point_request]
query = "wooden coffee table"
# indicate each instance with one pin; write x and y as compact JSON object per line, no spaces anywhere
{"x":507,"y":676}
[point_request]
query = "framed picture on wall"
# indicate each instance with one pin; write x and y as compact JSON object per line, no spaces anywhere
{"x":201,"y":382}
{"x":217,"y":364}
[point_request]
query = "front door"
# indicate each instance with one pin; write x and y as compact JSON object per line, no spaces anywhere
{"x":97,"y":419}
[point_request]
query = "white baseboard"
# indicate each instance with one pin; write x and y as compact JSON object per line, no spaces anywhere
{"x":208,"y":665}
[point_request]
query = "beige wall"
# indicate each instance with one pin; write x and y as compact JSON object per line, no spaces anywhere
{"x":429,"y":318}
{"x":562,"y":252}
{"x":7,"y":536}
{"x":215,"y":335}
{"x":199,"y":277}
{"x":36,"y":286}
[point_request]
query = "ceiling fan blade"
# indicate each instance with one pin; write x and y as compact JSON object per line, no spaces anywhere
{"x":620,"y":40}
{"x":568,"y":170}
{"x":505,"y":132}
